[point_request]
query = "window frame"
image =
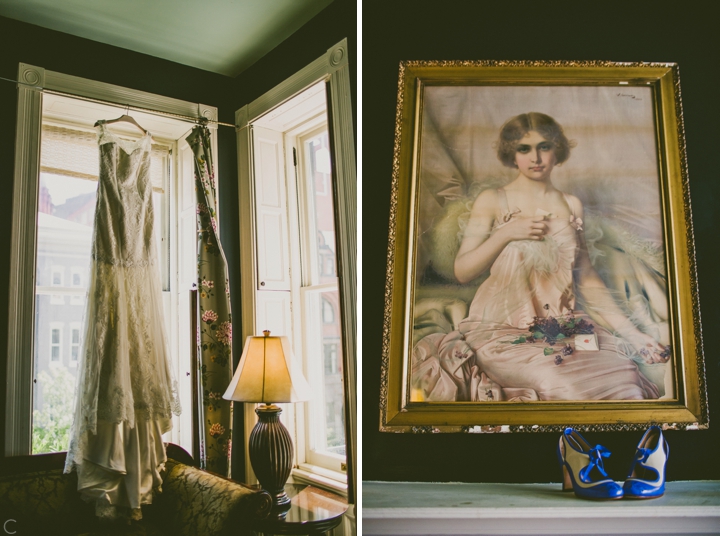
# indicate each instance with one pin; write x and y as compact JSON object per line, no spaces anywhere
{"x":306,"y":283}
{"x":332,"y":68}
{"x":21,"y":303}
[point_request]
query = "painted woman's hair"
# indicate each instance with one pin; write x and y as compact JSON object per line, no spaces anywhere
{"x":517,"y":127}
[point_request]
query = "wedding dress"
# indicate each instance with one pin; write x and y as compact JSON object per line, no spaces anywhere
{"x":125,"y":393}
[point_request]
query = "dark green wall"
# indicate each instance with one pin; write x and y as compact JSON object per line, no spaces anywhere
{"x":330,"y":26}
{"x":522,"y":30}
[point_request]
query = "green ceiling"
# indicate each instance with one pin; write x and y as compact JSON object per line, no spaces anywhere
{"x":222,"y":36}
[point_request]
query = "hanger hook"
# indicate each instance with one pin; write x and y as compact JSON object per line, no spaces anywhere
{"x":127,"y":110}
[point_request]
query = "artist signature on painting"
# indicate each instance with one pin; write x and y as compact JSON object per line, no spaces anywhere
{"x":629,"y":95}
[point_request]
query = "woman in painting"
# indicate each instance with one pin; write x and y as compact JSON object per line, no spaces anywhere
{"x":518,"y":340}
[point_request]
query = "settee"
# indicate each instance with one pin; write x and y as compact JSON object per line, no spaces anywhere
{"x":192,"y":502}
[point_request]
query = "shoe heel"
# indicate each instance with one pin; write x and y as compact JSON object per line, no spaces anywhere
{"x":566,"y":482}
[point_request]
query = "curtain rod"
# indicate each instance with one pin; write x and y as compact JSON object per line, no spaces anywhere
{"x":185,"y":118}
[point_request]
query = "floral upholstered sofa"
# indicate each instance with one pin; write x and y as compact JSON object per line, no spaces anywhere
{"x":193,"y":502}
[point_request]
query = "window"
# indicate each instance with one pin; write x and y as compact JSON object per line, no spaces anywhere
{"x":52,"y":228}
{"x":296,"y":253}
{"x":296,"y":239}
{"x":56,"y":332}
{"x":57,"y":276}
{"x":74,"y":343}
{"x":325,"y":433}
{"x":331,"y":358}
{"x":68,"y":191}
{"x":328,"y":314}
{"x":76,"y":277}
{"x":56,"y":280}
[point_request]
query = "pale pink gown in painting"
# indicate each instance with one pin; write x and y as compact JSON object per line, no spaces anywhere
{"x":478,"y":361}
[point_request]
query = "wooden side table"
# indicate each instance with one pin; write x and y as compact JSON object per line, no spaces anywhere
{"x":312,"y":511}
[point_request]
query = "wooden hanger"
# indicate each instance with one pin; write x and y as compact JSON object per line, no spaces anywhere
{"x":125,"y":118}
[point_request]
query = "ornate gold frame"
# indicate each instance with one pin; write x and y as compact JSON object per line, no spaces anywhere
{"x":690,"y":410}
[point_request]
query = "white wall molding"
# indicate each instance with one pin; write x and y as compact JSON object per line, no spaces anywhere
{"x":344,"y":162}
{"x":123,"y":96}
{"x":337,"y":56}
{"x":21,"y":317}
{"x":322,"y":68}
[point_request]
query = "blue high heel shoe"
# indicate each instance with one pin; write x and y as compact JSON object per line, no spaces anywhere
{"x":583,"y":470}
{"x":646,"y":479}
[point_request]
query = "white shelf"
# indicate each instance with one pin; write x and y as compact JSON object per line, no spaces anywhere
{"x":418,"y":508}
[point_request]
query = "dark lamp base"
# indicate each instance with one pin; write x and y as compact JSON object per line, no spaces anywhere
{"x":271,"y":454}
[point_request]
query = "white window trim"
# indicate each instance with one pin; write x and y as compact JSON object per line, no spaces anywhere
{"x":332,"y":68}
{"x":21,"y":305}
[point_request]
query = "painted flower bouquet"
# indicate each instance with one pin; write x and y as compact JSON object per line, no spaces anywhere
{"x":553,"y":330}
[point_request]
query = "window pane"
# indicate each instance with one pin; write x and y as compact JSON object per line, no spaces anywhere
{"x":330,"y":350}
{"x":319,"y":190}
{"x":327,"y":409}
{"x":326,"y":442}
{"x":66,"y":208}
{"x":327,"y":312}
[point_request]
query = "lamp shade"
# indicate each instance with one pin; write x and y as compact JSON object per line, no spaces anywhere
{"x":267,"y":373}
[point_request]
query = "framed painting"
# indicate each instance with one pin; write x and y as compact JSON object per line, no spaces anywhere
{"x":541,"y":266}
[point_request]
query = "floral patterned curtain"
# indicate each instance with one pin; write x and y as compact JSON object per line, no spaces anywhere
{"x":215,"y":323}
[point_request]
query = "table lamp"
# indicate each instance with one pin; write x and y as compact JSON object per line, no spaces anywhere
{"x":267,"y":373}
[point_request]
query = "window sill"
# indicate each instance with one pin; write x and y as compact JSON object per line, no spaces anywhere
{"x":321,"y":478}
{"x":394,"y":508}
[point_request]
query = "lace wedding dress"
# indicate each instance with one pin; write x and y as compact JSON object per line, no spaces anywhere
{"x":125,"y":391}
